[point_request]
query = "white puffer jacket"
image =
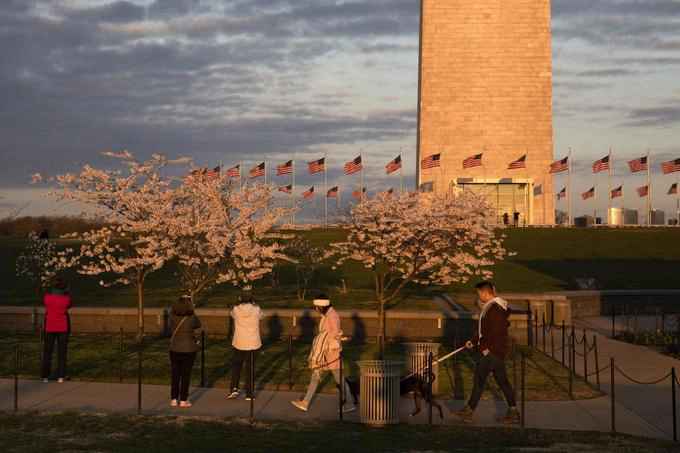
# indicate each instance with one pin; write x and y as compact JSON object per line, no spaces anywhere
{"x":247,"y":326}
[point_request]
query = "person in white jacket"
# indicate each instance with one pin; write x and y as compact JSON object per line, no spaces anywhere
{"x":246,"y":338}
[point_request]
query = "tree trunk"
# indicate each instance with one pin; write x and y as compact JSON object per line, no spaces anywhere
{"x":140,"y":311}
{"x":381,"y":327}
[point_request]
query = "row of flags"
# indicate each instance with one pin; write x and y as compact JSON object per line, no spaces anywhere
{"x":618,"y":192}
{"x":333,"y":192}
{"x":315,"y":166}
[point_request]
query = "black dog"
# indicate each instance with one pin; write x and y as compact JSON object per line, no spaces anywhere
{"x":414,"y":384}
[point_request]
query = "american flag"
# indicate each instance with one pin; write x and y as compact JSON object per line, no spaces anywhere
{"x":234,"y":172}
{"x":388,"y":193}
{"x":316,"y":166}
{"x":333,"y":192}
{"x":560,"y":165}
{"x":353,"y":166}
{"x":473,"y":161}
{"x":257,"y":171}
{"x":430,"y":161}
{"x":602,"y":164}
{"x":519,"y":163}
{"x":359,"y":194}
{"x":590,"y":193}
{"x":673,"y":190}
{"x":213,"y":173}
{"x":309,"y":193}
{"x":284,"y":169}
{"x":618,"y":192}
{"x":562,"y":194}
{"x":671,"y":166}
{"x":639,"y":164}
{"x":195,"y":174}
{"x":286,"y":188}
{"x":393,"y":165}
{"x":642,"y":191}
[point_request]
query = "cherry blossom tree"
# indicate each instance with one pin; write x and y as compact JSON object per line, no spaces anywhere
{"x":424,"y":239}
{"x":223,"y":232}
{"x":307,"y":259}
{"x":40,"y":262}
{"x":132,"y":206}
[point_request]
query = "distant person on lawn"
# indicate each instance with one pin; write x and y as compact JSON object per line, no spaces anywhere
{"x":57,"y":328}
{"x":247,"y":317}
{"x":325,"y":354}
{"x":183,"y":323}
{"x":491,"y":341}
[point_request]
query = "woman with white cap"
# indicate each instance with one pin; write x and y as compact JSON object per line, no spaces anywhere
{"x":325,"y":354}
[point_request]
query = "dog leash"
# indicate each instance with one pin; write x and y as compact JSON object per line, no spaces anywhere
{"x":434,"y":362}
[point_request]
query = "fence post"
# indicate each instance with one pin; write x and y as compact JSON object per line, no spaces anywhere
{"x":613,"y":394}
{"x":120,"y":355}
{"x":585,"y":356}
{"x":290,"y":361}
{"x":552,"y":341}
{"x":675,"y":420}
{"x":430,"y":376}
{"x":571,"y":373}
{"x":139,"y":380}
{"x":656,"y":320}
{"x":41,"y":338}
{"x":16,"y":377}
{"x":530,"y":330}
{"x":522,"y":416}
{"x":543,"y":320}
{"x":202,"y":358}
{"x":252,"y":383}
{"x":613,"y":320}
{"x":597,"y":362}
{"x":514,"y":364}
{"x":573,"y":350}
{"x":564,"y":331}
{"x":536,"y":328}
{"x":341,"y":387}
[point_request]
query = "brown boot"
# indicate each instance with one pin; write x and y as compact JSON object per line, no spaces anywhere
{"x":464,"y":415}
{"x":511,"y":417}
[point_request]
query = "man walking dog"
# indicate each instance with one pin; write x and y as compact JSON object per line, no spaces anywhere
{"x":491,"y":341}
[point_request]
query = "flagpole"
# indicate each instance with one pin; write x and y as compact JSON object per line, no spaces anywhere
{"x":594,"y":202}
{"x":361,"y":174}
{"x":570,"y":212}
{"x":266,"y":210}
{"x":609,"y":205}
{"x":526,"y":187}
{"x":677,"y":201}
{"x":441,"y":171}
{"x":325,"y":189}
{"x":292,"y":193}
{"x":401,"y":174}
{"x":623,"y":208}
{"x":649,"y":192}
{"x":240,"y":173}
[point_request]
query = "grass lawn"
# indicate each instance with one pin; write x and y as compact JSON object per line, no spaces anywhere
{"x":95,"y":358}
{"x":546,"y":260}
{"x":32,"y":432}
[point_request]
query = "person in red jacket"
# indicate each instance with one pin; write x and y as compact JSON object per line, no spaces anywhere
{"x":491,"y":341}
{"x":57,"y":328}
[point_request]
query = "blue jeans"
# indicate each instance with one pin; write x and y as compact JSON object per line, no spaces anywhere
{"x":495,"y":365}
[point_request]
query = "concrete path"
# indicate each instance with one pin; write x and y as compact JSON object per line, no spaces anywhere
{"x":651,"y":403}
{"x":586,"y":415}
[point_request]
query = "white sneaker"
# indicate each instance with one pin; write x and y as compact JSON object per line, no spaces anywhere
{"x":349,"y":409}
{"x":173,"y":403}
{"x":61,"y":380}
{"x":233,"y":394}
{"x":184,"y":404}
{"x":45,"y":380}
{"x":300,"y":405}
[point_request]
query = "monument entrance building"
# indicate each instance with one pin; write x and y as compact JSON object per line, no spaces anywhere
{"x":485,"y":87}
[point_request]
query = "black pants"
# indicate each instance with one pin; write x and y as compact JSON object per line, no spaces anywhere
{"x":182,"y":363}
{"x":241,"y":356}
{"x":495,"y":365}
{"x":62,"y":345}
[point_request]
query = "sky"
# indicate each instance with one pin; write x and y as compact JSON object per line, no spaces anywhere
{"x":245,"y":80}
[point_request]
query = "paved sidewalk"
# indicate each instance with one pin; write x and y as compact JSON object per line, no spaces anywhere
{"x":651,"y":403}
{"x":586,"y":415}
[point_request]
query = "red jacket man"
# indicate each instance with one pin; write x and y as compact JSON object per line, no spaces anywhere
{"x":491,"y":341}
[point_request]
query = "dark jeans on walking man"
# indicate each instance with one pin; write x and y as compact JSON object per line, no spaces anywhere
{"x":494,"y":364}
{"x":240,"y":357}
{"x":182,"y":363}
{"x":62,"y":346}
